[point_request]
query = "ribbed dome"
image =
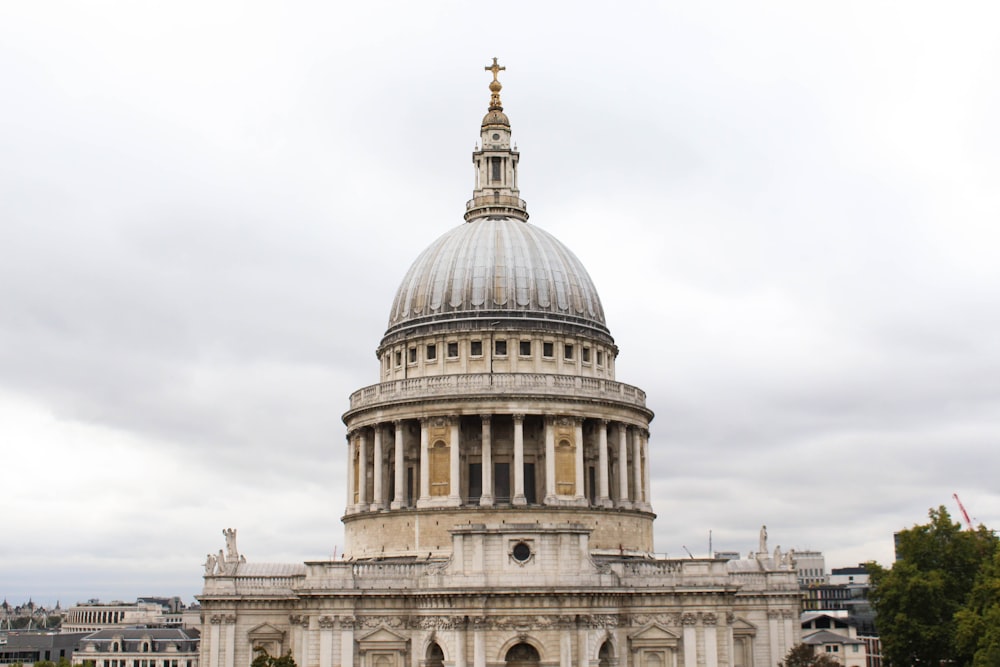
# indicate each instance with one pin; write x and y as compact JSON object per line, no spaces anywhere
{"x":492,"y":267}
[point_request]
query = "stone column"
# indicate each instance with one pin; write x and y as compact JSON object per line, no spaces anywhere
{"x":478,"y":643}
{"x":603,"y":497}
{"x":459,"y":647}
{"x":362,"y":470}
{"x":566,"y":647}
{"x":455,"y":490}
{"x":622,"y":464}
{"x":325,"y":641}
{"x":486,"y":499}
{"x":690,"y":638}
{"x":637,"y":464}
{"x":400,"y":491}
{"x":791,"y":637}
{"x":772,"y":631}
{"x":581,"y":647}
{"x":425,"y":469}
{"x":347,"y":647}
{"x":647,"y":467}
{"x":711,"y":639}
{"x":230,"y":660}
{"x":519,"y":498}
{"x":378,"y":471}
{"x":213,"y":641}
{"x":352,"y":471}
{"x":581,"y":497}
{"x":550,"y":461}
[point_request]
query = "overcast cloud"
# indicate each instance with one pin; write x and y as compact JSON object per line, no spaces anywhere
{"x":790,"y":211}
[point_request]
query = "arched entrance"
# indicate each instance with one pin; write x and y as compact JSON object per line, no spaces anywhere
{"x":435,"y":656}
{"x":522,"y":655}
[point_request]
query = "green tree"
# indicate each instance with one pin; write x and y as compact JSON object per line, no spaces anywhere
{"x":978,"y":623}
{"x":802,"y":655}
{"x":916,"y":600}
{"x":265,"y":659}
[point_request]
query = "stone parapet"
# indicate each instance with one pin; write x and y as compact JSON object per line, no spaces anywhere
{"x":497,"y":384}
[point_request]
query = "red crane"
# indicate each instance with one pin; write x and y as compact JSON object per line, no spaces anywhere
{"x":968,"y":521}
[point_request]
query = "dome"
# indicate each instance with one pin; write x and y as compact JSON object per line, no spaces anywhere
{"x":497,"y":267}
{"x":494,"y":117}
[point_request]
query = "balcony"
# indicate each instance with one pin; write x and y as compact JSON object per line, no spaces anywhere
{"x":497,"y":384}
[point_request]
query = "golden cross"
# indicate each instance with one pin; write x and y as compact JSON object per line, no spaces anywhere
{"x":495,"y":68}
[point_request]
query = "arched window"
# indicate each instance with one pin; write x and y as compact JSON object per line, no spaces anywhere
{"x":522,"y":655}
{"x":435,"y":656}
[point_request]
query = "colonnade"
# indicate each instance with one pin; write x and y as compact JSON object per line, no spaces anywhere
{"x":388,"y":471}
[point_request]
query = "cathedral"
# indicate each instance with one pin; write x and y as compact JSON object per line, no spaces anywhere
{"x":498,"y":489}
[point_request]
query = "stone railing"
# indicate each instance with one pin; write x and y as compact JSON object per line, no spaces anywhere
{"x":494,"y":384}
{"x":494,"y":200}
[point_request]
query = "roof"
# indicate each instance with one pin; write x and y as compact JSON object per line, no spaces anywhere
{"x":495,"y":267}
{"x":827,"y":637}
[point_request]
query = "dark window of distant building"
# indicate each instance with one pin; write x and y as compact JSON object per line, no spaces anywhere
{"x":585,"y":355}
{"x":600,"y":358}
{"x":495,"y":163}
{"x":476,"y":348}
{"x":568,"y":352}
{"x":412,"y":355}
{"x":452,"y":350}
{"x":399,"y":357}
{"x":432,"y":352}
{"x":525,"y":348}
{"x":547,"y":350}
{"x":501,"y":348}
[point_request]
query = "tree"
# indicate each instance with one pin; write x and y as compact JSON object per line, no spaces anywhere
{"x":265,"y":659}
{"x":917,"y":599}
{"x":802,"y":655}
{"x":977,"y":630}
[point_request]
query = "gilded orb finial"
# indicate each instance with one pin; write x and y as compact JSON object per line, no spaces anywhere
{"x":495,"y":85}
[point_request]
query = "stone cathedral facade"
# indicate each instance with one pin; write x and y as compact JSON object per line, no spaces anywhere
{"x":498,"y":510}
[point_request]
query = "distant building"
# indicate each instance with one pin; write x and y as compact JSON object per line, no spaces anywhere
{"x":30,"y":647}
{"x":835,"y":636}
{"x":94,"y":615}
{"x":810,"y":566}
{"x":139,"y":647}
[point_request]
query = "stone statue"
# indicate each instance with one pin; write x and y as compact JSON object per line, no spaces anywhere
{"x":232,"y":553}
{"x":777,"y":555}
{"x":210,"y":565}
{"x":763,"y":540}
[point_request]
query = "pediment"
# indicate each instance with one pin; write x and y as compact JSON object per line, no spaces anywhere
{"x":266,"y":631}
{"x":382,"y":639}
{"x":742,"y":627}
{"x":654,"y":636}
{"x":382,"y":635}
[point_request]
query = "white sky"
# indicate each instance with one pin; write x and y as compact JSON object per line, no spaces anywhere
{"x":790,"y":211}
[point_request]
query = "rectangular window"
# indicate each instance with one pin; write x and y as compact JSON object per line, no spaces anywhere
{"x":411,"y":355}
{"x":585,"y":355}
{"x":432,"y":352}
{"x":452,"y":350}
{"x":399,"y":357}
{"x":600,"y":358}
{"x":568,"y":352}
{"x":495,"y":163}
{"x":476,"y":348}
{"x":525,"y":348}
{"x":501,"y":348}
{"x":547,"y":350}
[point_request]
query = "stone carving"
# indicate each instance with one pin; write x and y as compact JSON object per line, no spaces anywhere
{"x":777,"y":555}
{"x":327,"y":622}
{"x":210,"y":564}
{"x":763,"y":540}
{"x":231,"y":552}
{"x":599,"y":621}
{"x":689,"y":619}
{"x":440,"y":622}
{"x":730,"y":617}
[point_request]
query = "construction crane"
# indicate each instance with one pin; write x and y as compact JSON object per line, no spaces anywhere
{"x":968,"y":521}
